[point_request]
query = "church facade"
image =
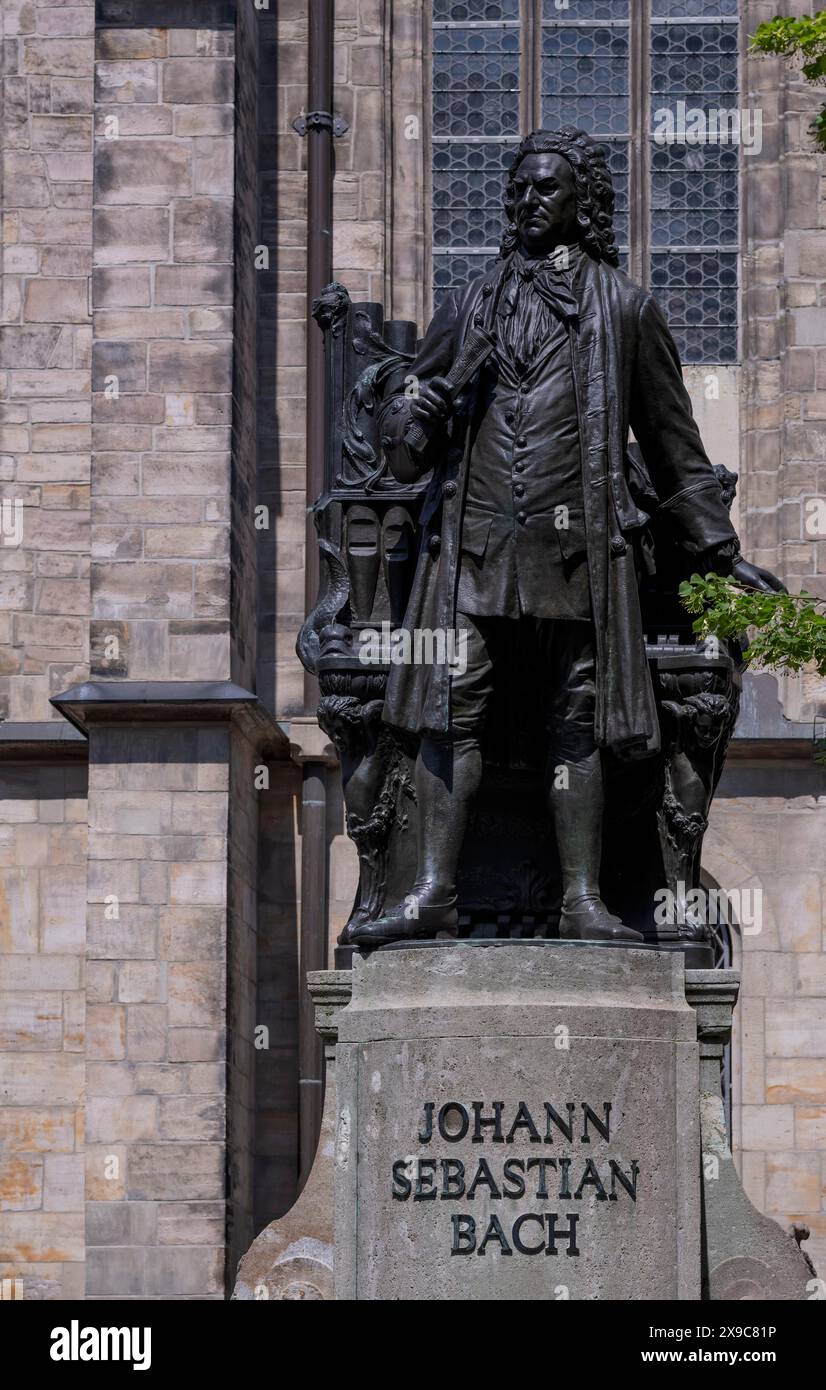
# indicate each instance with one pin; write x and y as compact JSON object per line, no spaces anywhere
{"x":171,"y":824}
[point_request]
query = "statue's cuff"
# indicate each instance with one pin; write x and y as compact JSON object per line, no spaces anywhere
{"x":719,"y":559}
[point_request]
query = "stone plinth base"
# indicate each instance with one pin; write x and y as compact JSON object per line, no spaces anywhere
{"x":518,"y":1120}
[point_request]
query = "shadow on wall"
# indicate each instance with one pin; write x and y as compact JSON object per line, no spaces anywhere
{"x":276,"y":1066}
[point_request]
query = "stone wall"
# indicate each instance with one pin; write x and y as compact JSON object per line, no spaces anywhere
{"x":784,"y":344}
{"x":45,"y":351}
{"x":163,"y":353}
{"x":45,"y":449}
{"x":276,"y":1009}
{"x":130,"y":349}
{"x":767,"y":837}
{"x":156,"y":954}
{"x":42,"y":1026}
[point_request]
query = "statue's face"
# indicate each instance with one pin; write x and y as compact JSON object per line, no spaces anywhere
{"x":544,"y":194}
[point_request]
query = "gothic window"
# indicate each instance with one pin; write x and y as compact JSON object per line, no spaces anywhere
{"x":633,"y":73}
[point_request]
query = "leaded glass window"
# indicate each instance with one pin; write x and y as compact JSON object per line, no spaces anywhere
{"x":612,"y":67}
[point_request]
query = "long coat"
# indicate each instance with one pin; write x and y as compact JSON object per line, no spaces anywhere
{"x":626,"y":372}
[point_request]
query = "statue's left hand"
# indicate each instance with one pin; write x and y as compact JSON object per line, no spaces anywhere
{"x":753,"y":577}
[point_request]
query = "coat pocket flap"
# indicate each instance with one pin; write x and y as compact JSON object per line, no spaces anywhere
{"x":475,"y":531}
{"x":629,"y":515}
{"x":568,"y":525}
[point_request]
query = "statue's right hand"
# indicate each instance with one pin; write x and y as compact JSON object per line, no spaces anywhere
{"x":434,"y":402}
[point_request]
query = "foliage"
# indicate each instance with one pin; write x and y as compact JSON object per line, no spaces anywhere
{"x":805,"y":39}
{"x":786,"y":631}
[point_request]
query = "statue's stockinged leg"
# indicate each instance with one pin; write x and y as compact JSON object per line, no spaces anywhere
{"x":448,"y":773}
{"x":577,"y":800}
{"x":575,"y":783}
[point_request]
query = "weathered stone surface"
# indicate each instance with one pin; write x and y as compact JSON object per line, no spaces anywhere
{"x":198,"y":81}
{"x":203,"y":230}
{"x":130,"y":81}
{"x":57,"y":301}
{"x":189,"y":284}
{"x":146,"y":171}
{"x":519,"y":1024}
{"x":123,"y":235}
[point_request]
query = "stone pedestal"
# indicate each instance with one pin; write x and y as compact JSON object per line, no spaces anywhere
{"x":746,"y":1255}
{"x":292,"y":1258}
{"x":518,"y":1120}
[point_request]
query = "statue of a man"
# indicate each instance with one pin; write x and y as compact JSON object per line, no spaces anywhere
{"x":529,"y":518}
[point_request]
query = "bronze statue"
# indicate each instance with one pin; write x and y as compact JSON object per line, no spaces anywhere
{"x":536,"y":519}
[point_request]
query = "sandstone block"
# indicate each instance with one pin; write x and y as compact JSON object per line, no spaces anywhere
{"x":191,"y":933}
{"x":165,"y":590}
{"x":191,"y":1117}
{"x":203,"y":120}
{"x":30,"y":1022}
{"x":106,"y":1173}
{"x":63,"y":1182}
{"x":810,"y":1127}
{"x":164,"y":1172}
{"x":43,"y":1235}
{"x":195,"y":1044}
{"x":123,"y":235}
{"x":189,"y":366}
{"x":139,"y":323}
{"x":184,"y":1272}
{"x":50,"y":1130}
{"x":120,"y":1223}
{"x":185,"y":475}
{"x":52,"y":1079}
{"x":52,"y":300}
{"x":121,"y":287}
{"x":198,"y":81}
{"x":124,"y":1120}
{"x":71,"y":95}
{"x":146,"y":1032}
{"x":118,"y":45}
{"x":214,"y":166}
{"x":197,"y":883}
{"x":106,"y":1032}
{"x":203,"y":230}
{"x":101,"y":977}
{"x":196,"y":994}
{"x":193,"y":284}
{"x":21,"y":1183}
{"x":132,"y":938}
{"x":58,"y":57}
{"x":61,"y":133}
{"x":162,"y":1078}
{"x":27,"y":347}
{"x":63,"y":910}
{"x":191,"y":1223}
{"x":146,"y":171}
{"x":115,"y":1272}
{"x":131,"y":81}
{"x":196,"y":542}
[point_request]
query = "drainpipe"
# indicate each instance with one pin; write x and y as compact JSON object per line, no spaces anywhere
{"x":318,"y":126}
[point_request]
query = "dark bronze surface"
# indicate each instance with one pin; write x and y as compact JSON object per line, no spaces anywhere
{"x":559,"y":784}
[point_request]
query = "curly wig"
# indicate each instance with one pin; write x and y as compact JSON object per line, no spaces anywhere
{"x":594,"y":188}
